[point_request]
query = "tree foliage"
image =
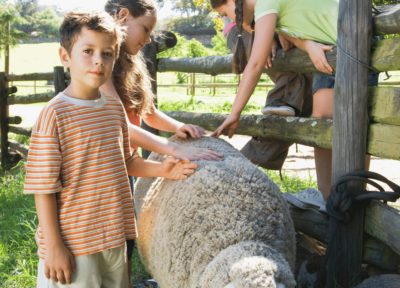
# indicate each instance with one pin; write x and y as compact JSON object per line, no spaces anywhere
{"x":219,"y":44}
{"x":8,"y":14}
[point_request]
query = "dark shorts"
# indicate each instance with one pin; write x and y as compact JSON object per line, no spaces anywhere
{"x":130,"y":244}
{"x":326,"y":81}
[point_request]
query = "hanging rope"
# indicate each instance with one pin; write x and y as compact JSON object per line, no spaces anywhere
{"x":341,"y":206}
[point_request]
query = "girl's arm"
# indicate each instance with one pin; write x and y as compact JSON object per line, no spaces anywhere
{"x":170,"y":168}
{"x":160,"y":121}
{"x":315,"y":50}
{"x":151,"y":142}
{"x":265,"y":29}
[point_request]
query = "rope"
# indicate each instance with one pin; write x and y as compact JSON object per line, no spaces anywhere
{"x":355,"y":59}
{"x":341,"y":206}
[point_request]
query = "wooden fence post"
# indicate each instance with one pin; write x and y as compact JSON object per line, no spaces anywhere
{"x":3,"y":120}
{"x":349,"y":132}
{"x":59,"y":80}
{"x":150,"y":54}
{"x":193,"y":83}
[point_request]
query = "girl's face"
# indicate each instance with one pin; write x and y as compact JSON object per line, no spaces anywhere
{"x":227,"y":9}
{"x":139,"y":30}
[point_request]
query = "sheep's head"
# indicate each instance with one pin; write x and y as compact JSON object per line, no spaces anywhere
{"x":249,"y":265}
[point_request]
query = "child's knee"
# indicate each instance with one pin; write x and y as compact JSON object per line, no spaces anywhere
{"x":323,"y":114}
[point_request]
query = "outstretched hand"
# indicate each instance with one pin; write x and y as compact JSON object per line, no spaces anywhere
{"x":177,"y":169}
{"x":194,"y":153}
{"x":230,"y":124}
{"x":316,"y":51}
{"x":194,"y":131}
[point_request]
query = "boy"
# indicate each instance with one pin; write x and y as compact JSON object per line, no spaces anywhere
{"x":78,"y":164}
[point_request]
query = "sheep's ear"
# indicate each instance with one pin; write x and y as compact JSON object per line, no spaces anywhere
{"x":231,"y":285}
{"x":280,"y":285}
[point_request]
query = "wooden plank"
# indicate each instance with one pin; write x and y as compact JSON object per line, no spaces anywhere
{"x":19,"y":147}
{"x":30,"y":99}
{"x":165,"y":40}
{"x":20,"y":130}
{"x":310,"y":132}
{"x":350,"y":134}
{"x":384,"y":141}
{"x":34,"y":77}
{"x":14,"y":120}
{"x":387,"y":21}
{"x":59,"y":79}
{"x":384,"y":105}
{"x":3,"y":120}
{"x":385,"y":57}
{"x":383,"y":222}
{"x":150,"y":54}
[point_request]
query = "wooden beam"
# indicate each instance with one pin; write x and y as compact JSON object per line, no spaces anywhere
{"x":165,"y":41}
{"x":14,"y":120}
{"x":59,"y":79}
{"x":33,"y":77}
{"x":19,"y":147}
{"x":20,"y":130}
{"x":30,"y":99}
{"x":387,"y":20}
{"x":3,"y":120}
{"x":384,"y":105}
{"x":385,"y":57}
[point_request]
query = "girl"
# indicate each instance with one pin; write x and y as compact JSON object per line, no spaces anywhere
{"x":130,"y":82}
{"x":307,"y":24}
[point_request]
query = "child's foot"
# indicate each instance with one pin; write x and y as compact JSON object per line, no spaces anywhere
{"x":278,"y":109}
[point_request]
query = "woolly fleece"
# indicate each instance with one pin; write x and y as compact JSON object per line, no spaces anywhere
{"x":227,"y":223}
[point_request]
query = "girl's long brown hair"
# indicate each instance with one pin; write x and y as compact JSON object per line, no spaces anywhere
{"x":130,"y":76}
{"x":239,"y":61}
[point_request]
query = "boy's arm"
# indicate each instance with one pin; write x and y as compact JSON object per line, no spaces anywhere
{"x":170,"y":168}
{"x":59,"y":263}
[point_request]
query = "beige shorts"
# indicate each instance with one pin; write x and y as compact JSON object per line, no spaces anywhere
{"x":105,"y":269}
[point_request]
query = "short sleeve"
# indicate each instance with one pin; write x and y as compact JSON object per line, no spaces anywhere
{"x":44,"y":157}
{"x":266,"y":7}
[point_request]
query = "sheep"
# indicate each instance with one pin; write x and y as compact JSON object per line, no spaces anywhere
{"x":226,"y":226}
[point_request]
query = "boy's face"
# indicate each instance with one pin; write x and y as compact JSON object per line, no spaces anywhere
{"x":91,"y":59}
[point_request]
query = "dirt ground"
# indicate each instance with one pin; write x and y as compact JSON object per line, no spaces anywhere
{"x":301,"y":163}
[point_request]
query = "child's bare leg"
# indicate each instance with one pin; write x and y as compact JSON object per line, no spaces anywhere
{"x":323,"y":108}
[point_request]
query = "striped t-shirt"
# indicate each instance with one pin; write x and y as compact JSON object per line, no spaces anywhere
{"x":79,"y":150}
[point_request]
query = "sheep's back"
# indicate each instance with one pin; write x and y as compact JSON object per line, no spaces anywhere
{"x":183,"y":225}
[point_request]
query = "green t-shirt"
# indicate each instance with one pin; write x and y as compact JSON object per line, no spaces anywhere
{"x":304,"y":19}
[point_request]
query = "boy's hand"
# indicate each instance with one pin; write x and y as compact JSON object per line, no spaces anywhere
{"x":230,"y":124}
{"x":194,"y":153}
{"x":177,"y":169}
{"x":59,"y":264}
{"x":274,"y":48}
{"x":316,"y":51}
{"x":286,"y":44}
{"x":194,"y":131}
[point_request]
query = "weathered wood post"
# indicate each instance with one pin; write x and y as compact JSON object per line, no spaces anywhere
{"x":350,"y":131}
{"x":59,"y":79}
{"x":3,"y":120}
{"x":150,"y":54}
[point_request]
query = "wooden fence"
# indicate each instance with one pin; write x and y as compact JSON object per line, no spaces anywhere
{"x":381,"y":135}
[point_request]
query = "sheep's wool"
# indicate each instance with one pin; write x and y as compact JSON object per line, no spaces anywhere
{"x":228,"y":225}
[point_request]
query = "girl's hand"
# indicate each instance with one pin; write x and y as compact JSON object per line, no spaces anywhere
{"x":194,"y":131}
{"x":59,"y":264}
{"x":274,"y":48}
{"x":316,"y":51}
{"x":177,"y":169}
{"x":194,"y":153}
{"x":286,"y":44}
{"x":230,"y":124}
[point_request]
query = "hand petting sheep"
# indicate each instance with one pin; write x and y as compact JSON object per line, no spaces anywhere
{"x":226,"y":226}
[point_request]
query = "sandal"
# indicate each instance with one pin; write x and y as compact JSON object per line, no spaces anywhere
{"x":307,"y":199}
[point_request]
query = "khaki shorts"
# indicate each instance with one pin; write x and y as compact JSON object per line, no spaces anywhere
{"x":105,"y":269}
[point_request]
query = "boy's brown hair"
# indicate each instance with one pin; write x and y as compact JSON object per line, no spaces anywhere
{"x":96,"y":21}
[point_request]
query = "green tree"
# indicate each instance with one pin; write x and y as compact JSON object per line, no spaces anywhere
{"x":384,"y":2}
{"x":26,"y":9}
{"x":8,"y":14}
{"x":219,"y":44}
{"x":47,"y":23}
